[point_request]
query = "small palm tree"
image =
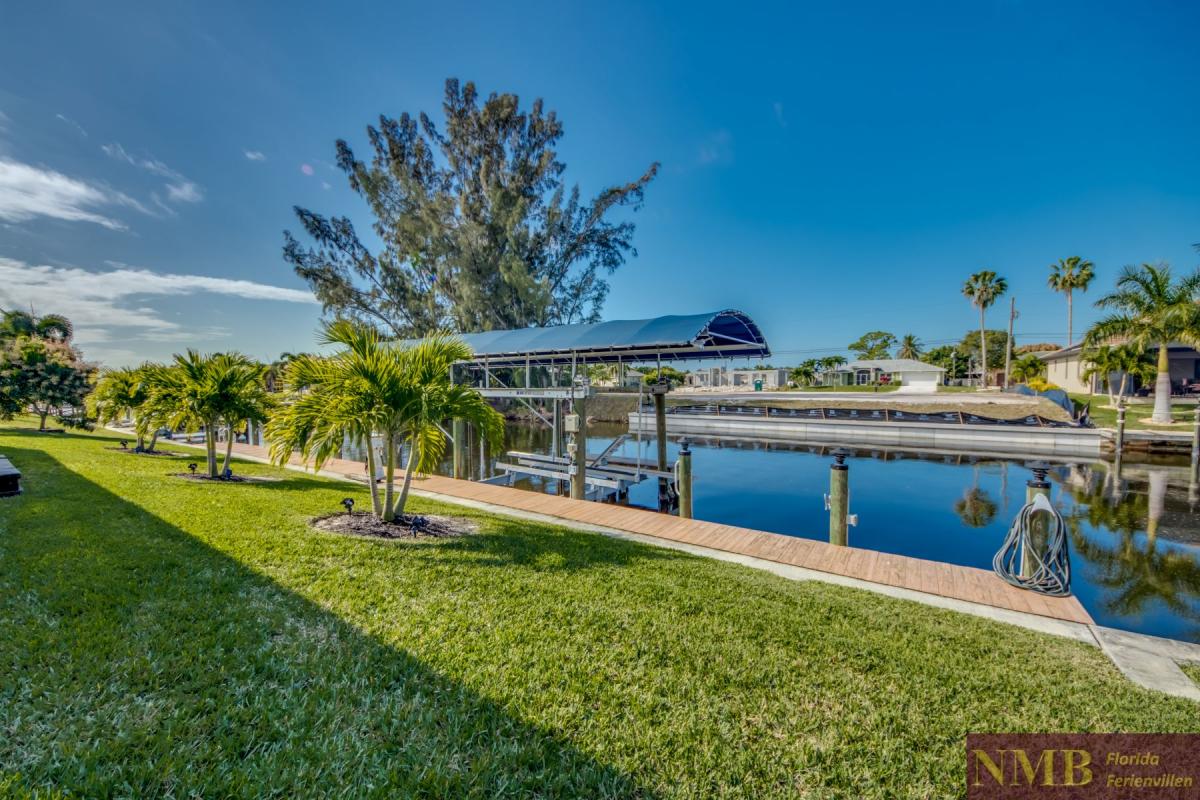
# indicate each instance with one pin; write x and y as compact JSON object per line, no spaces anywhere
{"x":803,"y":375}
{"x":1124,"y":360}
{"x":123,"y":392}
{"x":983,"y":289}
{"x":1101,"y":363}
{"x":910,"y":347}
{"x":1152,"y":309}
{"x":1028,"y":367}
{"x":372,"y":387}
{"x":1066,"y":276}
{"x":207,"y":391}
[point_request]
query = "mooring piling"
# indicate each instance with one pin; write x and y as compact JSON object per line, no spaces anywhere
{"x":683,"y":480}
{"x":1039,"y":531}
{"x":839,"y":498}
{"x":459,"y":428}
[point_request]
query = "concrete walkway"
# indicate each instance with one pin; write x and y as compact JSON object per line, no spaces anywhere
{"x":1147,"y":660}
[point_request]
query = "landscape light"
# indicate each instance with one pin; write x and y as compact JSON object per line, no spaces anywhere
{"x":348,"y":503}
{"x":192,"y":467}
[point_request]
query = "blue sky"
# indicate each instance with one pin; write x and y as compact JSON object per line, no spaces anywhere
{"x":829,"y":169}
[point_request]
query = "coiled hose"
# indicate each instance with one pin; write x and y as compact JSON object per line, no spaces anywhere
{"x":1050,"y":572}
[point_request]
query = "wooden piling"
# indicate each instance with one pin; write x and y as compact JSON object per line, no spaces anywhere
{"x":459,"y":429}
{"x":683,"y":480}
{"x":839,"y":503}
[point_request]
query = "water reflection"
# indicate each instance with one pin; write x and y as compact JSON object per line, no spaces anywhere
{"x":1135,"y":533}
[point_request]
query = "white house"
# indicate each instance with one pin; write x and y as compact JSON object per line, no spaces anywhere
{"x":748,"y":379}
{"x":914,"y":376}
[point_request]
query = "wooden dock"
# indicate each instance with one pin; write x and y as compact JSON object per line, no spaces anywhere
{"x":916,"y":574}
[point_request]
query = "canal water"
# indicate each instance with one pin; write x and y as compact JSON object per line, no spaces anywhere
{"x":1135,"y":537}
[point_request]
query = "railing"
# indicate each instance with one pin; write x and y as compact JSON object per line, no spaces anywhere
{"x":864,"y":415}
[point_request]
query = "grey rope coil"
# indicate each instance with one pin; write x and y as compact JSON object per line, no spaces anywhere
{"x":1051,"y":564}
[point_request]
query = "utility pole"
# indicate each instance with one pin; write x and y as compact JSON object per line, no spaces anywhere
{"x":1012,"y":315}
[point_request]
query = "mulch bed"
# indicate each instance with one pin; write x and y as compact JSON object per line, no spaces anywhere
{"x":411,"y":526}
{"x":155,"y":452}
{"x":200,"y":476}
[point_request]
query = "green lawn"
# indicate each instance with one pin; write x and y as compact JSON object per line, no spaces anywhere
{"x":160,"y":637}
{"x":1136,"y":414}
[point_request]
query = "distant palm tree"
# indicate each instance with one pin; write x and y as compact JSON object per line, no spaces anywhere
{"x":1124,"y":360}
{"x":55,"y":327}
{"x":208,"y":390}
{"x":1066,"y":276}
{"x":910,"y":347}
{"x":1028,"y":367}
{"x":1152,"y":309}
{"x":803,"y":375}
{"x":120,"y":392}
{"x":983,"y":289}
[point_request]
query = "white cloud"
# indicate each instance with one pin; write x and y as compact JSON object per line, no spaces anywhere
{"x":27,"y":191}
{"x":326,"y":185}
{"x":186,"y":192}
{"x":179,"y":188}
{"x":111,"y":305}
{"x":306,"y":169}
{"x":72,"y":123}
{"x":716,"y":149}
{"x":255,"y":155}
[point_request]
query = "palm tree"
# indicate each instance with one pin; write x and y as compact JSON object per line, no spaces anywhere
{"x":1028,"y":367}
{"x":55,"y":327}
{"x":1151,"y":309}
{"x":371,"y":387}
{"x":982,"y":289}
{"x":803,"y":375}
{"x":910,"y":347}
{"x":208,"y":390}
{"x":1108,"y":360}
{"x":1068,"y":275}
{"x":121,"y":392}
{"x":1101,"y":363}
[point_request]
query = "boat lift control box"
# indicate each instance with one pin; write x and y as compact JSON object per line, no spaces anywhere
{"x":571,"y":423}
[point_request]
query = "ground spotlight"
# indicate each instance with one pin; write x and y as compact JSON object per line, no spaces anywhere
{"x":348,"y":504}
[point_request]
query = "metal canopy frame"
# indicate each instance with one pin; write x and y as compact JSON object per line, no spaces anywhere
{"x":719,"y":334}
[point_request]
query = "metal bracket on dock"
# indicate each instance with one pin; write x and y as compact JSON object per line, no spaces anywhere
{"x":851,"y":519}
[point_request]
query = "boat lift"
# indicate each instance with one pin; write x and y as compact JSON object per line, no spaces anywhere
{"x":546,"y":370}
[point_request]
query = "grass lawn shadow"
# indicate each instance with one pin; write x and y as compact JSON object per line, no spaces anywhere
{"x":140,"y":661}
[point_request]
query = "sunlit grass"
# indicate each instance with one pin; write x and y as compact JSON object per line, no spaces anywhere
{"x":163,"y":637}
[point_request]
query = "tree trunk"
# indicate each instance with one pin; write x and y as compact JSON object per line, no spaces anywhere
{"x":153,"y":441}
{"x":409,"y":468}
{"x":982,"y":351}
{"x":228,"y":448}
{"x":1162,"y":387}
{"x":1070,"y":321}
{"x":1120,"y":390}
{"x":140,"y":447}
{"x":210,"y":445}
{"x":376,"y":508}
{"x":43,"y":415}
{"x":389,"y":477}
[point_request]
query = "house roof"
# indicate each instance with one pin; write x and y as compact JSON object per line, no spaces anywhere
{"x":716,"y":334}
{"x":892,"y":365}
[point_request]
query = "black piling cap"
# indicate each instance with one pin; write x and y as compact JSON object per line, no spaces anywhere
{"x":683,"y":447}
{"x":839,"y":458}
{"x":1040,"y":468}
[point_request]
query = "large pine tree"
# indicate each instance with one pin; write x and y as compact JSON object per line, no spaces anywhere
{"x":478,"y":230}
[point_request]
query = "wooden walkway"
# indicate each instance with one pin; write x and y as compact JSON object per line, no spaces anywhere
{"x":917,"y":574}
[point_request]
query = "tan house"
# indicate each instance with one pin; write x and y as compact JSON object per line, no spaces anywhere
{"x":1066,"y":367}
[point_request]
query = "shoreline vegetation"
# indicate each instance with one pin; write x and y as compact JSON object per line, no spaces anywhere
{"x":160,"y":646}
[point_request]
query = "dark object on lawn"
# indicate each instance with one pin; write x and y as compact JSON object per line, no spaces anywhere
{"x":124,"y":445}
{"x":10,"y":478}
{"x":227,"y":474}
{"x":348,"y":504}
{"x":192,"y":467}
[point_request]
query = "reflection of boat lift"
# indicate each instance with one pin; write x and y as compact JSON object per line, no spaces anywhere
{"x":607,"y":477}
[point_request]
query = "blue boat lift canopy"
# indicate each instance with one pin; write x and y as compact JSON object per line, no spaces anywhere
{"x":718,"y":334}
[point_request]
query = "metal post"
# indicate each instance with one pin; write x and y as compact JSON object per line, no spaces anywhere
{"x":660,"y":432}
{"x":579,"y":452}
{"x":460,"y":448}
{"x":1039,"y":530}
{"x":1120,"y":444}
{"x":485,"y":460}
{"x":839,"y":498}
{"x":1012,"y":315}
{"x":683,"y":480}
